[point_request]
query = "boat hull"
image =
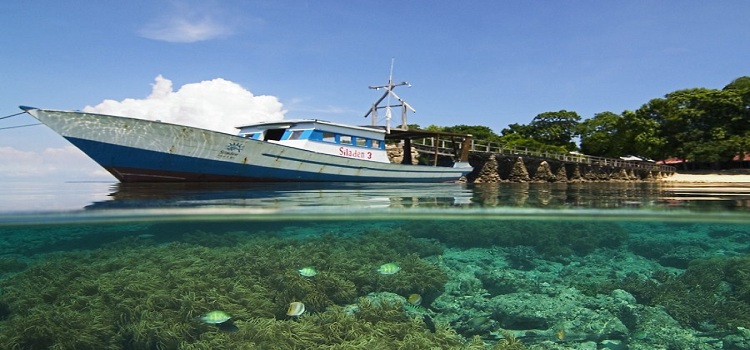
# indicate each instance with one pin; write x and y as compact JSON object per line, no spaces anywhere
{"x":136,"y":150}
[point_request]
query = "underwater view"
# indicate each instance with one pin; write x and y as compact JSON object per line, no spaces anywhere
{"x":375,"y":266}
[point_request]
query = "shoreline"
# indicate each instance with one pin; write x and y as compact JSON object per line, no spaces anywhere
{"x":716,"y":176}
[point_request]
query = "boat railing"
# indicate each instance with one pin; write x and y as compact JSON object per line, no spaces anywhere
{"x":447,"y":147}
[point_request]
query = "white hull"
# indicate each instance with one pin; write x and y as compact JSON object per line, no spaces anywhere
{"x":136,"y":150}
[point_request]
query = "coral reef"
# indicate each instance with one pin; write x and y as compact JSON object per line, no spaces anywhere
{"x":485,"y":284}
{"x":551,"y":239}
{"x":712,"y":294}
{"x":135,"y":296}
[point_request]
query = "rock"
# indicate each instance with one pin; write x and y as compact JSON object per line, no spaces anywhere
{"x":567,"y":310}
{"x":576,"y":174}
{"x":544,"y":173}
{"x":622,"y":296}
{"x":610,"y":344}
{"x":519,"y":172}
{"x":561,"y":175}
{"x":488,"y":173}
{"x":621,"y":175}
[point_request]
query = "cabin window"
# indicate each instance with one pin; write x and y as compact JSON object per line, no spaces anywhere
{"x":250,"y":136}
{"x":296,"y":134}
{"x":345,"y":140}
{"x":329,"y":137}
{"x":274,"y":134}
{"x":361,"y":141}
{"x":375,"y":144}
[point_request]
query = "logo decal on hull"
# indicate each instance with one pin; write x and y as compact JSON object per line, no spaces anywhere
{"x":234,"y":147}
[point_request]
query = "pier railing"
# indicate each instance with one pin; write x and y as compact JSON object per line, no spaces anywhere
{"x":447,"y":147}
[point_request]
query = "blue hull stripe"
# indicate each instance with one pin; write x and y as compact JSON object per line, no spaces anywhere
{"x":130,"y":164}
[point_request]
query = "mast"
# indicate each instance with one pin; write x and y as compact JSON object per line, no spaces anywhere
{"x":405,"y":107}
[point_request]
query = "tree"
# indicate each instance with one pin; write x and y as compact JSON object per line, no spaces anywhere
{"x":555,"y":128}
{"x":695,"y":124}
{"x":740,"y":124}
{"x":478,"y":132}
{"x":640,"y":136}
{"x":741,"y":84}
{"x":600,"y":135}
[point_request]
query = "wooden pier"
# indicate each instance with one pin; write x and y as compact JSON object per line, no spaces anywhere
{"x":539,"y":165}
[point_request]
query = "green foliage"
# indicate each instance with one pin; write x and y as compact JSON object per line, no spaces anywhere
{"x":549,"y":131}
{"x":478,"y":132}
{"x":519,"y":141}
{"x":741,"y":84}
{"x":555,"y":128}
{"x":552,"y":239}
{"x":135,"y":296}
{"x":700,"y":125}
{"x":599,"y":135}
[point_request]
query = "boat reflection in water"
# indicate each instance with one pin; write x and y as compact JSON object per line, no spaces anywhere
{"x":398,"y":195}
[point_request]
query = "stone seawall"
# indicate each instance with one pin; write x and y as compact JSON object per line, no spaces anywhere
{"x":494,"y":168}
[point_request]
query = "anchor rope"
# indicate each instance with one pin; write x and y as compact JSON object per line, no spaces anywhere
{"x":19,"y":126}
{"x":12,"y":115}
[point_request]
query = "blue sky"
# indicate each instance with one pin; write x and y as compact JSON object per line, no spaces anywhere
{"x":487,"y":63}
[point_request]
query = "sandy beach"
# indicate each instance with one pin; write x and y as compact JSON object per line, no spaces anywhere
{"x":719,"y":176}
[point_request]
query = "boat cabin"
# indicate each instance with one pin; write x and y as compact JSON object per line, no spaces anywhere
{"x":324,"y":137}
{"x":361,"y":142}
{"x":366,"y":142}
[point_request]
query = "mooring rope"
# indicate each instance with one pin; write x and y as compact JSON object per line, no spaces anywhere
{"x":19,"y":126}
{"x":16,"y":126}
{"x":12,"y":115}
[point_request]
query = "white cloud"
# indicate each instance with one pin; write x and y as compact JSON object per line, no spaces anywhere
{"x":216,"y":104}
{"x":190,"y":21}
{"x":184,"y":30}
{"x":65,"y":163}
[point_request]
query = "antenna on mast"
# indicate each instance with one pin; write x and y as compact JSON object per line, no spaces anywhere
{"x":388,"y":93}
{"x":388,"y":102}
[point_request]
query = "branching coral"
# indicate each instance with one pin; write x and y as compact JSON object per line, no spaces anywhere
{"x":137,"y":296}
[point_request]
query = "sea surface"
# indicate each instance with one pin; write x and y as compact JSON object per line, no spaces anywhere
{"x":98,"y":265}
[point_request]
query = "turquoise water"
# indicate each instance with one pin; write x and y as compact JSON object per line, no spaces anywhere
{"x":509,"y":266}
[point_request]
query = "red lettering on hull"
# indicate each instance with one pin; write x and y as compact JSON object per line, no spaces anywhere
{"x":354,"y":153}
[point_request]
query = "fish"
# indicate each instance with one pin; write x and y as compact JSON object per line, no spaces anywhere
{"x":215,"y":317}
{"x":560,"y":334}
{"x":389,"y":269}
{"x":414,"y":299}
{"x":308,"y":271}
{"x":296,"y":308}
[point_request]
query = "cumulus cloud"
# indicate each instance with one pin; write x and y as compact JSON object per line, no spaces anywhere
{"x":217,"y":104}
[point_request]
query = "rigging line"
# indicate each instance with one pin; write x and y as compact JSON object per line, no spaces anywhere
{"x":19,"y":126}
{"x":12,"y":115}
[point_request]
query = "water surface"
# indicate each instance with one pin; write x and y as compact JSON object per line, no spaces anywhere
{"x":543,"y":266}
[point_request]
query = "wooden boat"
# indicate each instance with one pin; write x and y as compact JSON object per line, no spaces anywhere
{"x":309,"y":150}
